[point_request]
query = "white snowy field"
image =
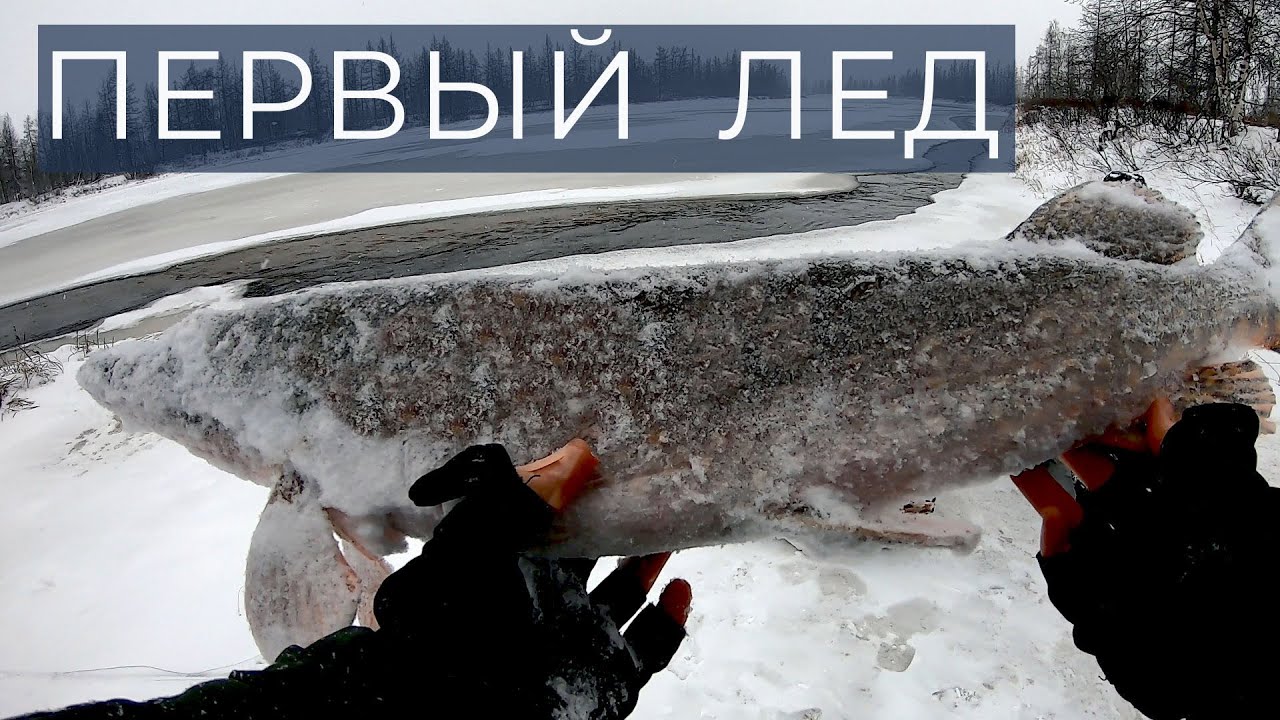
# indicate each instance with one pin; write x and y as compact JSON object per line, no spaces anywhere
{"x":126,"y":555}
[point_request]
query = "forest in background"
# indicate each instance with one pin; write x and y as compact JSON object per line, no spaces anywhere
{"x":1214,"y":64}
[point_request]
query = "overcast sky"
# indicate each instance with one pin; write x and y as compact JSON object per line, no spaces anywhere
{"x":18,"y":32}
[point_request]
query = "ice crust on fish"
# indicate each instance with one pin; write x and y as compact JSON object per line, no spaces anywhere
{"x":727,"y":402}
{"x":1122,"y":220}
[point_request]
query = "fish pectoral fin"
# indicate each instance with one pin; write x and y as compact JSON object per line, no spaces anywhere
{"x":298,"y":585}
{"x":892,"y":526}
{"x":371,"y":570}
{"x":369,"y":566}
{"x":1241,"y":382}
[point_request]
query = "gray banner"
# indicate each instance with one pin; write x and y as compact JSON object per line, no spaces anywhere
{"x":344,"y":98}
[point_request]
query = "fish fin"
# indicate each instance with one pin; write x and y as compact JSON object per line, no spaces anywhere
{"x":891,"y":527}
{"x":371,"y":570}
{"x":370,"y":567}
{"x":1119,"y":217}
{"x":1259,"y":246}
{"x":298,"y":586}
{"x":1241,"y":382}
{"x":1259,"y":238}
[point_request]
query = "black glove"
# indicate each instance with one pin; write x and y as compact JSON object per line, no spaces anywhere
{"x":1167,"y":581}
{"x":520,"y":635}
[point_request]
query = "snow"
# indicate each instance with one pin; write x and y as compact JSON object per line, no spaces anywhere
{"x":880,"y":633}
{"x":172,"y":305}
{"x":69,"y":208}
{"x":118,"y":543}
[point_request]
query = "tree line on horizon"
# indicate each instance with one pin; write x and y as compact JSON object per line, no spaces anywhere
{"x":954,"y":80}
{"x":1212,"y":62}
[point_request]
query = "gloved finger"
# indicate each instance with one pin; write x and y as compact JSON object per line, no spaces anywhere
{"x":503,"y":510}
{"x":1210,"y":442}
{"x":504,"y":517}
{"x":1145,"y":434}
{"x":1160,"y":418}
{"x":624,"y":590}
{"x":656,"y":633}
{"x":1094,"y":461}
{"x":1055,"y":530}
{"x":463,"y":474}
{"x":1092,"y":464}
{"x":579,"y":568}
{"x":1058,"y":509}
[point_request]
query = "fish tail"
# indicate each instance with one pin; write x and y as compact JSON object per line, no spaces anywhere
{"x":1258,"y":248}
{"x":1242,"y":382}
{"x":1262,"y":236}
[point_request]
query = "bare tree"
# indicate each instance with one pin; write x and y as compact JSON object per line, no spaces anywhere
{"x":9,"y":185}
{"x":1207,"y":63}
{"x":1229,"y":28}
{"x":32,"y":178}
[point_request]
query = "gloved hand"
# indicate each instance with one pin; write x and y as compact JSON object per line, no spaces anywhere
{"x":520,"y":634}
{"x":1167,"y":576}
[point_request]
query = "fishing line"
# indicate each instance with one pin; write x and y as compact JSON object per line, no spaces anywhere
{"x":176,"y":673}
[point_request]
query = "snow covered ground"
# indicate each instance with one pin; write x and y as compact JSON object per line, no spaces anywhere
{"x":125,"y":561}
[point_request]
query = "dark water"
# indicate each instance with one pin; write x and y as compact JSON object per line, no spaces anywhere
{"x":472,"y":241}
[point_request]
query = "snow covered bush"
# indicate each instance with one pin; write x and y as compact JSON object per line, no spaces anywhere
{"x":1249,"y":164}
{"x":1058,"y":149}
{"x":23,"y":369}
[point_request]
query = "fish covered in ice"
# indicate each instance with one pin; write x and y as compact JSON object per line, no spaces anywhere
{"x":726,"y":401}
